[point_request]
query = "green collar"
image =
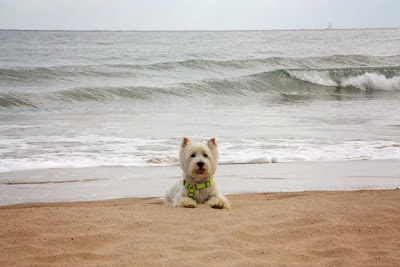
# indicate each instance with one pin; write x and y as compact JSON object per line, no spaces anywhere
{"x":197,"y":186}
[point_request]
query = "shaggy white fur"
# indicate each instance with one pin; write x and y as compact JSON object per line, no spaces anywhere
{"x":198,"y":163}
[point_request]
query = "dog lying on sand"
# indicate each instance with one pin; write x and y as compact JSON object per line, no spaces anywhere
{"x":198,"y":163}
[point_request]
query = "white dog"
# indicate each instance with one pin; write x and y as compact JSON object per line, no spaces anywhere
{"x":199,"y":163}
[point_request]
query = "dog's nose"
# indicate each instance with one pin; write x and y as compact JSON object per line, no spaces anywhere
{"x":200,"y":164}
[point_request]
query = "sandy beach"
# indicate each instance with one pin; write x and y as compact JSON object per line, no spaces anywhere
{"x":97,"y":103}
{"x":309,"y":228}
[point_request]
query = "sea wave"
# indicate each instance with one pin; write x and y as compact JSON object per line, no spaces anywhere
{"x":81,"y":94}
{"x":310,"y":82}
{"x":37,"y":74}
{"x":373,"y":81}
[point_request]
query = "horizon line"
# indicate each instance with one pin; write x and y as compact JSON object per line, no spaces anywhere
{"x":218,"y":30}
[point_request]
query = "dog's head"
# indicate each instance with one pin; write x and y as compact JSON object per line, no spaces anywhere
{"x":199,"y":160}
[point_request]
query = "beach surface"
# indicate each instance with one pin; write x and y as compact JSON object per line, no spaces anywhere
{"x":103,"y":121}
{"x":104,"y":183}
{"x":270,"y":229}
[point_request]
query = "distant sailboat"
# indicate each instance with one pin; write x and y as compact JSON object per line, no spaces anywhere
{"x":329,"y":26}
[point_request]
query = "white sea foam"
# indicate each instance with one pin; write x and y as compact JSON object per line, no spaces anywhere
{"x":96,"y":151}
{"x":373,"y":81}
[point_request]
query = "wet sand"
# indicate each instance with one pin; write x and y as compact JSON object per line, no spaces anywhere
{"x":309,"y":228}
{"x":102,"y":183}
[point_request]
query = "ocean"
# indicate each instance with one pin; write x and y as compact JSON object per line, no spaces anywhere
{"x":73,"y":99}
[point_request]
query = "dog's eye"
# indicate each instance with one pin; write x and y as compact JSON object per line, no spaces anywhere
{"x":193,"y":155}
{"x":205,"y":155}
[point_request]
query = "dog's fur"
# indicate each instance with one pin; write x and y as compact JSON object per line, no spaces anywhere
{"x":190,"y":156}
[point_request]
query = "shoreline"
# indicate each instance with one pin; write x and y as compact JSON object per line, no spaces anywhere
{"x":267,"y":229}
{"x":104,"y":183}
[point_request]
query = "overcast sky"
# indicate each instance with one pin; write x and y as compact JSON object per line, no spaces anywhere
{"x":197,"y":14}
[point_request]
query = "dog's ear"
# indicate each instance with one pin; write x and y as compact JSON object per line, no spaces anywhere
{"x":186,"y":141}
{"x":212,"y":143}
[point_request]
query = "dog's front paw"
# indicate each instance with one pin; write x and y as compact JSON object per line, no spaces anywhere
{"x":219,"y":202}
{"x":187,"y":203}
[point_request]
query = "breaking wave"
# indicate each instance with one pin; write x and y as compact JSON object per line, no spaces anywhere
{"x":71,"y":72}
{"x":312,"y":82}
{"x":56,"y":86}
{"x":373,"y":81}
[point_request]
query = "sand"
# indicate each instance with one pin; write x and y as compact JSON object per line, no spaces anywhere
{"x":101,"y":183}
{"x":308,"y":228}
